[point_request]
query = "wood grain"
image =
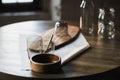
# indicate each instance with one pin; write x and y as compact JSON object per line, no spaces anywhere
{"x":103,"y":56}
{"x":73,"y":32}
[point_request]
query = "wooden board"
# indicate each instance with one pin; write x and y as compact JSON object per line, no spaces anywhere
{"x":73,"y":32}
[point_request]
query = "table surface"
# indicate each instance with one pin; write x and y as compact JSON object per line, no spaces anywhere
{"x":104,"y":55}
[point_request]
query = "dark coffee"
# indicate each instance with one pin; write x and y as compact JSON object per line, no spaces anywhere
{"x":45,"y":58}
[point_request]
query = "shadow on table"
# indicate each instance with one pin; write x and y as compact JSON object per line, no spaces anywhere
{"x":109,"y":75}
{"x":113,"y":74}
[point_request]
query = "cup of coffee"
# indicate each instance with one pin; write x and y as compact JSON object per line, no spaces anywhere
{"x":45,"y":63}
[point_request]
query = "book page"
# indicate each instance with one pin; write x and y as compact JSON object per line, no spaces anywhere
{"x":74,"y":48}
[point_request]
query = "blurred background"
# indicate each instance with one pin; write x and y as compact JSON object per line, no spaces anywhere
{"x":12,"y":11}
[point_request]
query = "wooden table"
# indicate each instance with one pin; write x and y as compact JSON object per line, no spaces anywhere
{"x":103,"y":56}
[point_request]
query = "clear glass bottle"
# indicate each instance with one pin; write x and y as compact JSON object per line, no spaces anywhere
{"x":111,"y":23}
{"x":87,"y":9}
{"x":106,"y":23}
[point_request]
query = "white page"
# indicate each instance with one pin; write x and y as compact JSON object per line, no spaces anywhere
{"x":71,"y":50}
